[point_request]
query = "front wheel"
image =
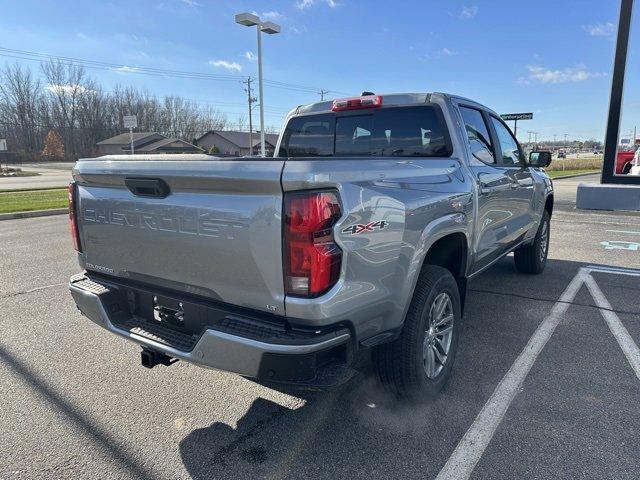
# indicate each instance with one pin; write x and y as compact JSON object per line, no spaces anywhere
{"x":419,"y":363}
{"x":533,"y":258}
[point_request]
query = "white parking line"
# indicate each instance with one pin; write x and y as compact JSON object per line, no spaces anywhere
{"x":631,"y":232}
{"x":615,"y":270}
{"x":471,"y":447}
{"x":619,"y":331}
{"x":469,"y":450}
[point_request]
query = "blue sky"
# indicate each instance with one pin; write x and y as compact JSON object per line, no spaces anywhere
{"x":552,"y":58}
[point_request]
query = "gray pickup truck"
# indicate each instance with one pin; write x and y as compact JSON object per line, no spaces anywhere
{"x":359,"y":235}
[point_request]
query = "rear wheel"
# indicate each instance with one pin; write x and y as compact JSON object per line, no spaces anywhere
{"x":533,"y":258}
{"x":419,"y":363}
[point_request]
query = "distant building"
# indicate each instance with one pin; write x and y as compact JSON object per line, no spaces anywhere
{"x":144,"y":142}
{"x":236,"y":143}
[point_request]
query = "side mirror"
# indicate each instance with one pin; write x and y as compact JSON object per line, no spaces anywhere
{"x":540,"y":159}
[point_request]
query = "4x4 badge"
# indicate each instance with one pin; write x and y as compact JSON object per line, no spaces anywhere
{"x":369,"y":227}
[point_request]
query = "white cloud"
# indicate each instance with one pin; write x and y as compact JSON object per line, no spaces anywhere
{"x":600,"y":30}
{"x":232,"y":66}
{"x":298,"y":30}
{"x":271,"y":15}
{"x":125,"y":69}
{"x":304,"y":4}
{"x":191,"y":3}
{"x":252,"y":57}
{"x":434,"y":54}
{"x":468,"y":12}
{"x":544,"y":75}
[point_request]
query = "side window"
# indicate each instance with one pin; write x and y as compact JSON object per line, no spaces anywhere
{"x":478,"y":135}
{"x":508,"y":144}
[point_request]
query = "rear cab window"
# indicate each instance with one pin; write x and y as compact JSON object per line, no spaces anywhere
{"x":411,"y":131}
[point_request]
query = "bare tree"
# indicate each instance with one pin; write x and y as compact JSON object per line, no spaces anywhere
{"x":82,"y":113}
{"x":65,"y":87}
{"x":20,"y":96}
{"x":241,"y":122}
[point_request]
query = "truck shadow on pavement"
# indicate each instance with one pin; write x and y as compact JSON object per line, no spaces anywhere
{"x":75,"y":416}
{"x":357,"y":430}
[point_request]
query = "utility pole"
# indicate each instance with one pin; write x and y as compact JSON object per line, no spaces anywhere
{"x":554,"y":142}
{"x":251,"y":100}
{"x":322,"y":93}
{"x":529,"y":132}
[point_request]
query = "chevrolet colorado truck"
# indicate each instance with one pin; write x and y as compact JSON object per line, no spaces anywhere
{"x":360,"y":233}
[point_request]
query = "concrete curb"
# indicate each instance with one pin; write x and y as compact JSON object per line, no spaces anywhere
{"x":33,"y":213}
{"x":574,"y":176}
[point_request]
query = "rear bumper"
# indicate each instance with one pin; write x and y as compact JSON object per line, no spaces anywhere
{"x":292,"y":359}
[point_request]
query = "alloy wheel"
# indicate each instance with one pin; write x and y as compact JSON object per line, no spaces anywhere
{"x":438,"y":336}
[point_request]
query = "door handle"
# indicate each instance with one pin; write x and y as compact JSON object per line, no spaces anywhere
{"x":147,"y":187}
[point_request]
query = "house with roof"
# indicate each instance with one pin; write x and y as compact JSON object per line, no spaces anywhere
{"x":229,"y":142}
{"x":145,"y":142}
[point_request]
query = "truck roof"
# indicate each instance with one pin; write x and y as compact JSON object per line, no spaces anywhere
{"x":388,"y":99}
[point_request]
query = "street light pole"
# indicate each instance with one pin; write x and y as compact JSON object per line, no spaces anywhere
{"x":250,"y":20}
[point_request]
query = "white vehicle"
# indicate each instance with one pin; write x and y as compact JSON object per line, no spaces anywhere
{"x":635,"y":170}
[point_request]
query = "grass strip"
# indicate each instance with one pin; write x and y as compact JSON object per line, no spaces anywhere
{"x":26,"y":201}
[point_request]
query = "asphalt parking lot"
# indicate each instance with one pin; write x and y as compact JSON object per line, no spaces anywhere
{"x":546,"y":384}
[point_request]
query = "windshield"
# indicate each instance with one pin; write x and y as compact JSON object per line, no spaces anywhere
{"x":416,"y":131}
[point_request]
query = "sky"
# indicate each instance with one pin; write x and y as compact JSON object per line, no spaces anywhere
{"x":552,"y":58}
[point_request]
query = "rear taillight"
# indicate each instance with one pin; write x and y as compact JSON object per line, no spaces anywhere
{"x":312,"y":258}
{"x":73,"y":218}
{"x":357,"y":103}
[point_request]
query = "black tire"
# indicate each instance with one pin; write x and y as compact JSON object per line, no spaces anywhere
{"x":532,"y":258}
{"x":401,"y":364}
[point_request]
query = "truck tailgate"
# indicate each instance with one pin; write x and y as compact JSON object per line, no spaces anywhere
{"x":216,"y":234}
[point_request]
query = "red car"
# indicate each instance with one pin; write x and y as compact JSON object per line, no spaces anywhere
{"x":624,"y":162}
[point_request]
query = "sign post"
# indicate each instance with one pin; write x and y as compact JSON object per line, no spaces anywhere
{"x":130,"y":122}
{"x":515,"y":117}
{"x":3,"y":148}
